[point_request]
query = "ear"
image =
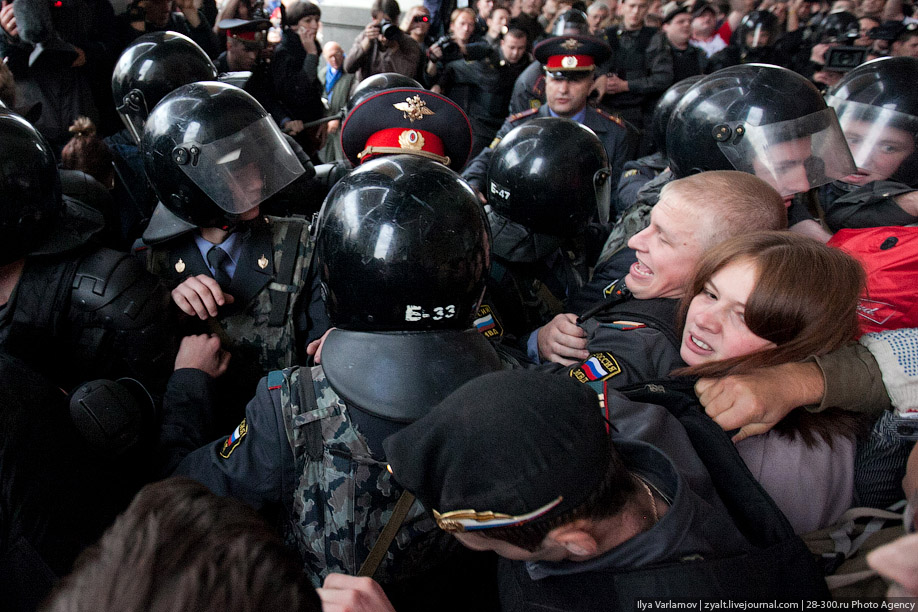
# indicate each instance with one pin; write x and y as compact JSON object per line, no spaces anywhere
{"x":577,"y":538}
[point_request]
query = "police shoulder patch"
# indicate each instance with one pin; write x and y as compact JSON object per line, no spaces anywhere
{"x":609,"y":289}
{"x":234,"y":440}
{"x":600,"y":366}
{"x":523,"y":114}
{"x":630,"y":173}
{"x":487,"y":324}
{"x":612,"y":118}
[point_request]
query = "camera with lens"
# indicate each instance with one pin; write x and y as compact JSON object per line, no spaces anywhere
{"x":389,"y":30}
{"x":449,"y":48}
{"x":843,"y":59}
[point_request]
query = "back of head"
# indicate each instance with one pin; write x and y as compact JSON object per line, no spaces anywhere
{"x":731,"y":202}
{"x":874,"y":98}
{"x":403,"y":245}
{"x":151,"y":67}
{"x":804,"y":301}
{"x":743,"y":118}
{"x":30,"y":188}
{"x":550,"y":175}
{"x":180,"y":547}
{"x":212,"y":153}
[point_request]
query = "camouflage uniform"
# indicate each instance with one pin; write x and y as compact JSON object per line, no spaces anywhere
{"x":260,"y":327}
{"x":298,"y":446}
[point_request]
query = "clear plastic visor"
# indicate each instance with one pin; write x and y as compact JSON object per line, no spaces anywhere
{"x":244,"y":169}
{"x":792,"y":156}
{"x":602,"y":184}
{"x":880,"y":139}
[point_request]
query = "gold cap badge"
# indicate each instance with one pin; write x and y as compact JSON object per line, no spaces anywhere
{"x":569,"y":61}
{"x":414,"y":108}
{"x":411,"y":139}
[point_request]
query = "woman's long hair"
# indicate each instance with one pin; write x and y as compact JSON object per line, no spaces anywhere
{"x":804,"y":301}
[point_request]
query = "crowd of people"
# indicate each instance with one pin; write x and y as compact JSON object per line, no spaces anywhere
{"x":541,"y":305}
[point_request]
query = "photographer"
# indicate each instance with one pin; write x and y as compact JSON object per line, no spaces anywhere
{"x":294,"y":71}
{"x":383,"y":47}
{"x":489,"y":84}
{"x":454,"y":46}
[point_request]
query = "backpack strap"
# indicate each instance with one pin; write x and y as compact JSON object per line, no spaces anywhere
{"x":280,"y":298}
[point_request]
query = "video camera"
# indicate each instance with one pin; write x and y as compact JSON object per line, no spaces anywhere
{"x":843,"y":59}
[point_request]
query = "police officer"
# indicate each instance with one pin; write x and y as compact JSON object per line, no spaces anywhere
{"x":213,"y":155}
{"x":542,"y":198}
{"x":403,"y":251}
{"x":878,"y":111}
{"x":755,"y":42}
{"x":148,"y":69}
{"x":569,"y":64}
{"x":95,"y":310}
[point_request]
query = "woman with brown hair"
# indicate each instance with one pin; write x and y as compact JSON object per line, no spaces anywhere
{"x":770,"y":298}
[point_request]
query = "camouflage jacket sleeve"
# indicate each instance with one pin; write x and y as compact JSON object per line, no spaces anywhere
{"x":254,"y":463}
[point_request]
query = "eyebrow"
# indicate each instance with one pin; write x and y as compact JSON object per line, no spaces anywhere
{"x":710,"y":283}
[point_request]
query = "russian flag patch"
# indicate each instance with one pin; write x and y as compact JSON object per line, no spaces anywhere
{"x":234,"y":440}
{"x":486,"y":323}
{"x":600,"y":366}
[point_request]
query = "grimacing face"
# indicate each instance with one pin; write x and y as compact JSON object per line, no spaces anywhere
{"x":877,"y":150}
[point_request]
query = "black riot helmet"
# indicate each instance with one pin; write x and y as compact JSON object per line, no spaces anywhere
{"x":664,"y":109}
{"x":550,"y":175}
{"x":760,"y":119}
{"x":30,"y":188}
{"x":377,"y":83}
{"x":151,"y":67}
{"x":403,"y":245}
{"x":570,"y":22}
{"x":841,"y":27}
{"x":212,"y":153}
{"x":758,"y":29}
{"x":877,"y":106}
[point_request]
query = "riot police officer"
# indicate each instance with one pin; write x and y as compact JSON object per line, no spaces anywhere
{"x":214,"y":155}
{"x":403,"y":251}
{"x":877,"y":108}
{"x":70,"y":310}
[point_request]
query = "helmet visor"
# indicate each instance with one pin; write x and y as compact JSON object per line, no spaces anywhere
{"x":792,"y":156}
{"x":881,"y":140}
{"x":242,"y":170}
{"x":602,"y":183}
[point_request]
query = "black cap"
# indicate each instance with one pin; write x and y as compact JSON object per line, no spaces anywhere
{"x":563,"y":56}
{"x":407,"y":121}
{"x":512,"y":442}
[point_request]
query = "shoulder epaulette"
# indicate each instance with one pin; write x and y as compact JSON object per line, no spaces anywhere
{"x":522,"y":114}
{"x":610,"y":117}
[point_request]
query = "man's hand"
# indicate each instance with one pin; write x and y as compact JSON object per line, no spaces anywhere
{"x":615,"y":85}
{"x":203,"y":352}
{"x":333,"y":126}
{"x":561,"y":340}
{"x":818,"y":53}
{"x":200,"y":296}
{"x":340,"y":593}
{"x":756,"y":402}
{"x":8,"y":19}
{"x":293,"y":127}
{"x":190,"y":11}
{"x":370,"y":33}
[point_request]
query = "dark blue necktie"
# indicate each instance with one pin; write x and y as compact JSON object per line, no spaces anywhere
{"x":219,"y":260}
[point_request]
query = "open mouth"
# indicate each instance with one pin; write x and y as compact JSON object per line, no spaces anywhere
{"x":640,"y":270}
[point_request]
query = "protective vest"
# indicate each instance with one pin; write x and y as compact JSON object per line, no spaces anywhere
{"x":343,"y":496}
{"x":262,"y":332}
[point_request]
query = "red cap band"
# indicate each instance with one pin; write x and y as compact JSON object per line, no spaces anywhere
{"x":569,"y":62}
{"x":409,"y":139}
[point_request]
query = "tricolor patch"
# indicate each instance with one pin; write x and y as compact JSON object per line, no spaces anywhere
{"x":600,"y":366}
{"x":234,"y":440}
{"x":624,"y":325}
{"x":486,"y":323}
